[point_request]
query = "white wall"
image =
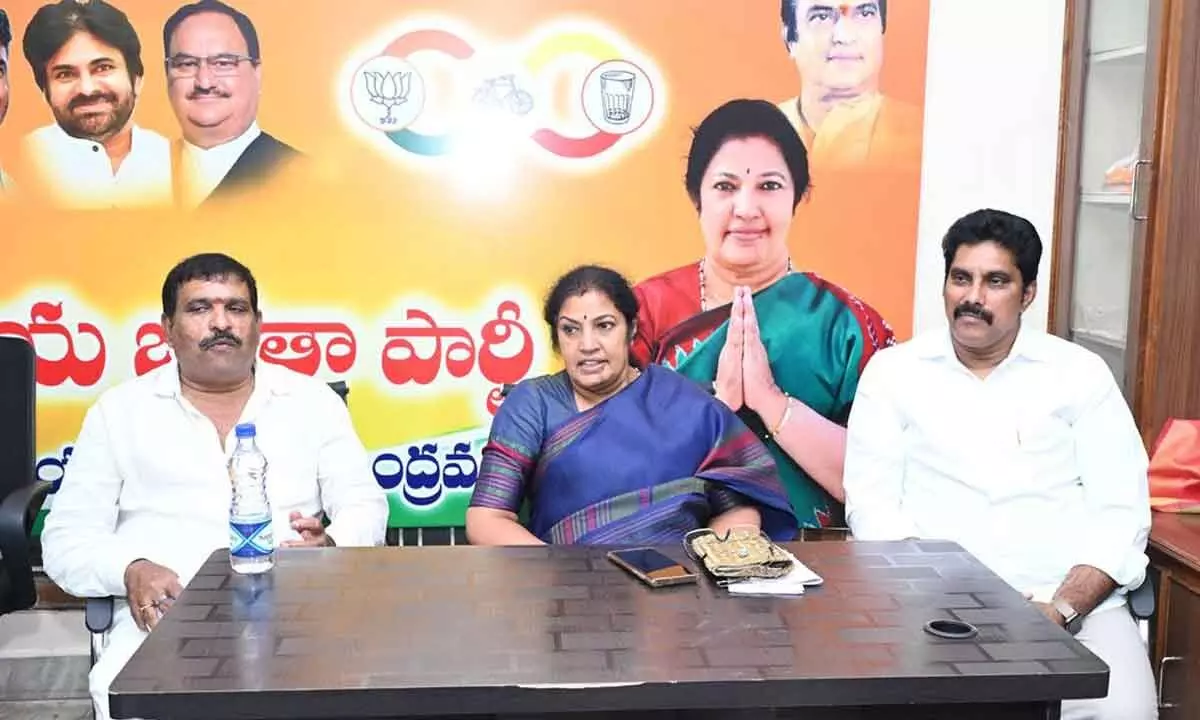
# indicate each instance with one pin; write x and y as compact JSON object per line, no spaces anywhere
{"x":991,"y":129}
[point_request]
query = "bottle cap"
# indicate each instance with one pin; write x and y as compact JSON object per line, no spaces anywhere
{"x":245,"y":430}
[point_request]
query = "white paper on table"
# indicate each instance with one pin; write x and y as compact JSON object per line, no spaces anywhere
{"x":799,"y":577}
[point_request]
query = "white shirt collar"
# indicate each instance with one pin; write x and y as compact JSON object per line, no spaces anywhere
{"x":205,"y":168}
{"x":1029,"y":345}
{"x":139,"y":140}
{"x":267,"y":379}
{"x":232,"y":149}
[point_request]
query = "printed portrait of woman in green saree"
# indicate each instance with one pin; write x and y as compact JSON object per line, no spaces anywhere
{"x":781,"y":347}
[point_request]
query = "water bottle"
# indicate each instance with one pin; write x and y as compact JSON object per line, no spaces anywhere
{"x":251,"y":538}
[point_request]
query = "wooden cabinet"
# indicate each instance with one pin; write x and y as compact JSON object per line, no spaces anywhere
{"x":1175,"y":649}
{"x":1112,"y":120}
{"x":1178,"y":671}
{"x":1128,"y":205}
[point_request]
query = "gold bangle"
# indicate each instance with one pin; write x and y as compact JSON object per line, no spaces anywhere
{"x":787,"y":413}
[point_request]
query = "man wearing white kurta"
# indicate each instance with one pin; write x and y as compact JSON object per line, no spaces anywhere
{"x":145,"y":499}
{"x":78,"y":173}
{"x":1017,"y":445}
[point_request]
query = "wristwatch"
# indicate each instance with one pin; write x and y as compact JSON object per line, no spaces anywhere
{"x":1072,"y":620}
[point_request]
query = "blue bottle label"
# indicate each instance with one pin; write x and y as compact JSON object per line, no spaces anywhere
{"x":251,"y":539}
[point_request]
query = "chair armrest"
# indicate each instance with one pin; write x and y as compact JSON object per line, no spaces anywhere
{"x":17,"y":514}
{"x":1141,"y":599}
{"x":98,"y":614}
{"x":19,"y":509}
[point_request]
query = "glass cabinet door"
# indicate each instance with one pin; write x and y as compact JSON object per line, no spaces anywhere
{"x":1113,"y":173}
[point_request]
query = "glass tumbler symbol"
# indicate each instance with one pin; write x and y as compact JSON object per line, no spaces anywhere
{"x":616,"y":91}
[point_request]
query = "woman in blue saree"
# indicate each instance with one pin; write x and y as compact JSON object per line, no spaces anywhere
{"x":602,"y":453}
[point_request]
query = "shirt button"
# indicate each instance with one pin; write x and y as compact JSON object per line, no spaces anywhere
{"x":95,"y":148}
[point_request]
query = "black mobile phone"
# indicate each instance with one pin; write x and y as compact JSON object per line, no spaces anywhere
{"x":652,"y":566}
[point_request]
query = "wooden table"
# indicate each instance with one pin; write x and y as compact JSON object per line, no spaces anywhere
{"x":409,"y":632}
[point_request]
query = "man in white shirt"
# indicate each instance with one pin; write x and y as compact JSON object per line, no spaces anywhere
{"x":214,"y":80}
{"x":145,"y":499}
{"x":86,"y":59}
{"x":1017,"y":445}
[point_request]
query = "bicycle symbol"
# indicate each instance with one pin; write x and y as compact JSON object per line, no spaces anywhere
{"x":502,"y":93}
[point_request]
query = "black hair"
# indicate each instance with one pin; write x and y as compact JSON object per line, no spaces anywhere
{"x":244,"y":26}
{"x":206,"y":266}
{"x":586,"y":278}
{"x":787,"y":13}
{"x":5,"y":29}
{"x":1012,"y":232}
{"x":55,"y":24}
{"x":744,"y":118}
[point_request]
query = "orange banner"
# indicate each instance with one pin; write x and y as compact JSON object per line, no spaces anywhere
{"x":432,"y":168}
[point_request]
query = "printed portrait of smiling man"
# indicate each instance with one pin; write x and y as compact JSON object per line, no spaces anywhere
{"x":840,"y":113}
{"x":214,"y":78}
{"x":86,"y":59}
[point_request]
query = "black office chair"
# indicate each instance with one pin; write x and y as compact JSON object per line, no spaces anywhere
{"x":98,"y":612}
{"x":21,"y":493}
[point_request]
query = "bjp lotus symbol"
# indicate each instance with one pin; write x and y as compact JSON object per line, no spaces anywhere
{"x":389,"y":89}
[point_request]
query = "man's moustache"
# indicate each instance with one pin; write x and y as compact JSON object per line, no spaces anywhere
{"x":81,"y":100}
{"x":207,"y":93}
{"x":973,"y":310}
{"x":208,"y":342}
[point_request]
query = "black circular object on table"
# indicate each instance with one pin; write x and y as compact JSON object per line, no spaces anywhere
{"x":951,"y":629}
